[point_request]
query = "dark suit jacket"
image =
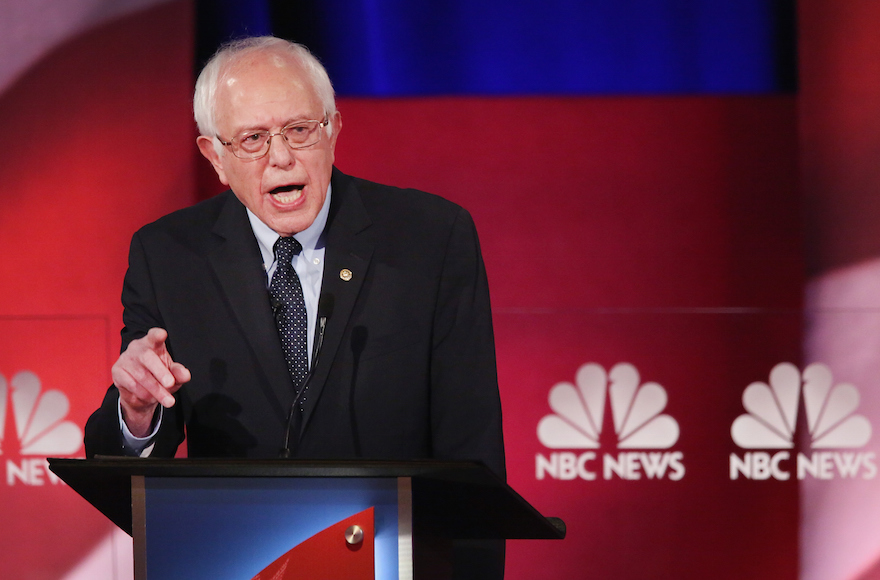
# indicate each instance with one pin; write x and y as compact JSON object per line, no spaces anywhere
{"x":407,"y":368}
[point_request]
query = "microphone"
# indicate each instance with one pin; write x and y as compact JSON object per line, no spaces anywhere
{"x":325,"y":310}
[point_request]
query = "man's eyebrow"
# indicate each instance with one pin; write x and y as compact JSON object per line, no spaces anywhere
{"x":300,"y":119}
{"x":250,"y":129}
{"x":289,"y":121}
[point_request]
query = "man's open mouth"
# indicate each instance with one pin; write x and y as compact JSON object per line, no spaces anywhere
{"x":287,"y":193}
{"x":286,"y":189}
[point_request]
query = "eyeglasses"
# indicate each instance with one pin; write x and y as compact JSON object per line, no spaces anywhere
{"x":255,"y":144}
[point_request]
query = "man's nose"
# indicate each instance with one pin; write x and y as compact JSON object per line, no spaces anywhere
{"x":279,"y":153}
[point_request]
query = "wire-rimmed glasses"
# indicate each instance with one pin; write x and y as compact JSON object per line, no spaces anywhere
{"x":255,"y":144}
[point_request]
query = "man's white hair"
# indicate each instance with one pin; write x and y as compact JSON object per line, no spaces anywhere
{"x":205,"y":97}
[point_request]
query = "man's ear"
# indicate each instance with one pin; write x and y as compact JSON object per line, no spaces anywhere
{"x":336,"y":123}
{"x":206,"y":146}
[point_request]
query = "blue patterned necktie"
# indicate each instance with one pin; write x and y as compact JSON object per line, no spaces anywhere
{"x":290,"y":310}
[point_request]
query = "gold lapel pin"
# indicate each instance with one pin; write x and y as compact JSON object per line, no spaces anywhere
{"x":345,"y":274}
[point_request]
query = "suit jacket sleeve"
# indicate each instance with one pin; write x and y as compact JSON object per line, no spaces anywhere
{"x":465,"y":404}
{"x":102,"y":433}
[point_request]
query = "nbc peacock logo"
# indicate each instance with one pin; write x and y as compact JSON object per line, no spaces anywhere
{"x":836,"y":432}
{"x":36,"y":421}
{"x":639,"y":424}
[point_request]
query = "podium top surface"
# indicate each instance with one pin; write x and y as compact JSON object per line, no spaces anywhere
{"x":453,"y":497}
{"x":473,"y":472}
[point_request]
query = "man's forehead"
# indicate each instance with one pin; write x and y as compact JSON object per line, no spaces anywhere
{"x":274,"y":80}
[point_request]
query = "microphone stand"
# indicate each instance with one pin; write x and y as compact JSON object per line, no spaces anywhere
{"x":327,"y":307}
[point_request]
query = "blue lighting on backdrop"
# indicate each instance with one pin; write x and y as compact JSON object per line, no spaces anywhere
{"x":509,"y":47}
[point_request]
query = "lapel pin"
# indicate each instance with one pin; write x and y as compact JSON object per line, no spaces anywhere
{"x":345,"y":274}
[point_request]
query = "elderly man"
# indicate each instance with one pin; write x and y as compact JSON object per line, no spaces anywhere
{"x":303,"y":308}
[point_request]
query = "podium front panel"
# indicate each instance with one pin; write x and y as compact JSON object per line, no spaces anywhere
{"x":232,"y":528}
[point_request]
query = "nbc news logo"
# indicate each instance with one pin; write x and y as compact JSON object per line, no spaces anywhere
{"x":40,"y":426}
{"x":833,"y":426}
{"x":639,"y":427}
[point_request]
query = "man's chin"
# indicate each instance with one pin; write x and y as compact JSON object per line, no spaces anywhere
{"x":286,"y":225}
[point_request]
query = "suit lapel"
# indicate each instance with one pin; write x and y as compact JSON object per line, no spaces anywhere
{"x":236,"y":261}
{"x":346,"y":261}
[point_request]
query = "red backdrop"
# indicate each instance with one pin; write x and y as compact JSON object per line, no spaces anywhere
{"x":99,"y":142}
{"x":665,"y":233}
{"x":660,"y":232}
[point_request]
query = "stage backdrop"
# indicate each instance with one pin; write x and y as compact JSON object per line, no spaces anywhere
{"x":98,"y":141}
{"x":645,"y":255}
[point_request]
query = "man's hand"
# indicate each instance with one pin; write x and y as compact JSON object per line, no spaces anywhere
{"x":146,"y":377}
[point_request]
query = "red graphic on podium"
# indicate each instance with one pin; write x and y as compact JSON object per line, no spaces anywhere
{"x":343,"y":550}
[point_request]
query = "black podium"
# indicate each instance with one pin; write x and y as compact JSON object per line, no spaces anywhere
{"x":200,"y":518}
